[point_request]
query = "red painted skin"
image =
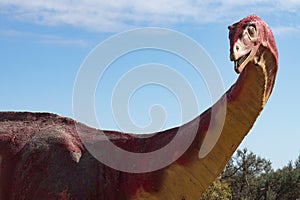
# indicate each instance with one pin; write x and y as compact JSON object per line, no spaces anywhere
{"x":35,"y":170}
{"x":24,"y":162}
{"x":37,"y":164}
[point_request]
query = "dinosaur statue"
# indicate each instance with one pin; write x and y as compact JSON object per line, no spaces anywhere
{"x":42,"y":156}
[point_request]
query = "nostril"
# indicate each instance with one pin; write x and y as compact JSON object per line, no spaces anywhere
{"x":237,"y":48}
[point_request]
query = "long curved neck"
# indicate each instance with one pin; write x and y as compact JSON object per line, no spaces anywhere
{"x":245,"y":100}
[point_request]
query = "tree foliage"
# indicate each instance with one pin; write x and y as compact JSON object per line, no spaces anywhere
{"x":248,"y":176}
{"x":218,"y":190}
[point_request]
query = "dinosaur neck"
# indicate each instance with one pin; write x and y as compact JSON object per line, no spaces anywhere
{"x":210,"y":152}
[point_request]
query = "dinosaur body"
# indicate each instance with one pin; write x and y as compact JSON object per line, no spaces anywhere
{"x":42,"y":156}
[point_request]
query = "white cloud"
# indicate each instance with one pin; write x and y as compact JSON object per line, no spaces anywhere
{"x":116,"y":15}
{"x":45,"y":38}
{"x":64,"y":41}
{"x":282,"y":31}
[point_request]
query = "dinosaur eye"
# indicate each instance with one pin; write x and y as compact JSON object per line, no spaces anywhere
{"x":251,"y":31}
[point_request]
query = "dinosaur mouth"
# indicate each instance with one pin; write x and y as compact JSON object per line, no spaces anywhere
{"x":239,"y":62}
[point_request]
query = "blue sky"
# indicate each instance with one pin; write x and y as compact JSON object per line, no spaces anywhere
{"x":43,"y":44}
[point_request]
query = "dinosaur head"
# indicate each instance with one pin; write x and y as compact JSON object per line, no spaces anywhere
{"x":246,"y":36}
